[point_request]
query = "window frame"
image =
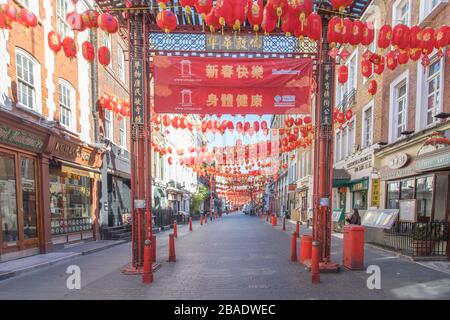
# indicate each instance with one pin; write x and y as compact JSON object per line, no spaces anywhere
{"x":121,"y":63}
{"x":36,"y":85}
{"x":108,"y":123}
{"x":364,"y":143}
{"x":421,"y":97}
{"x":426,"y":13}
{"x":72,"y":107}
{"x":404,"y":77}
{"x":61,"y":20}
{"x":123,"y":133}
{"x":395,"y":11}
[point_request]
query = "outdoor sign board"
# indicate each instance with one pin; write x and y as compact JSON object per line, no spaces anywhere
{"x":408,"y":210}
{"x":137,"y":91}
{"x":338,"y":215}
{"x":375,"y":192}
{"x":232,"y":85}
{"x":236,"y":43}
{"x":383,"y":219}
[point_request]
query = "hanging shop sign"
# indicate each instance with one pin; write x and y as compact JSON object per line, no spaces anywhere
{"x":375,"y":193}
{"x":326,"y":94}
{"x":232,"y":85}
{"x":398,"y":160}
{"x":137,"y":91}
{"x":383,"y":219}
{"x":19,"y":138}
{"x":360,"y":186}
{"x":235,"y":43}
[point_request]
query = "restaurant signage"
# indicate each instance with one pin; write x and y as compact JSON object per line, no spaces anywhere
{"x":437,"y":161}
{"x":327,"y":93}
{"x":360,"y":163}
{"x":232,"y":85}
{"x":22,"y":139}
{"x":398,"y":161}
{"x":234,"y":43}
{"x":137,"y":91}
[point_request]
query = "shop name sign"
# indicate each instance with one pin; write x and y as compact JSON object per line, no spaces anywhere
{"x":361,"y":163}
{"x":438,"y":161}
{"x":20,"y":138}
{"x":239,"y":43}
{"x":72,"y":151}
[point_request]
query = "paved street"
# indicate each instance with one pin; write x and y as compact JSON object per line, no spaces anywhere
{"x":236,"y":257}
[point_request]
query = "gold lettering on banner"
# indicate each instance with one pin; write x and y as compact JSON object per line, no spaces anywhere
{"x":212,"y":71}
{"x":242,"y":72}
{"x":212,"y":42}
{"x":227,"y":42}
{"x":257,"y":72}
{"x":227,"y":71}
{"x":227,"y":100}
{"x":241,"y":43}
{"x":242,"y":100}
{"x":212,"y":100}
{"x":257,"y":100}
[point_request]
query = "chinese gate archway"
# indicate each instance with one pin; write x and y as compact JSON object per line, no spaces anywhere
{"x":138,"y":21}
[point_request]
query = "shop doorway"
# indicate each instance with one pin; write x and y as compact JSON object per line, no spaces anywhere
{"x":18,"y":202}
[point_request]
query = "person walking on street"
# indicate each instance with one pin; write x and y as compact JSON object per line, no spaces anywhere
{"x":355,"y":218}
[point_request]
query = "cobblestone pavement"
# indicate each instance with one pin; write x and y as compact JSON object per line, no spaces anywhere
{"x":235,"y":257}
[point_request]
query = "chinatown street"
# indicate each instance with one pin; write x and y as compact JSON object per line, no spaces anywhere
{"x":234,"y":257}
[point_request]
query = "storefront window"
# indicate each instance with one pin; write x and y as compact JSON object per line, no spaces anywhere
{"x":360,"y":200}
{"x":70,"y":197}
{"x":29,"y":198}
{"x":424,"y":196}
{"x":8,"y":203}
{"x":407,"y":191}
{"x":393,"y":195}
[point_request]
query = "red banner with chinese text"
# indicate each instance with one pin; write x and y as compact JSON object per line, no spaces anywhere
{"x":232,"y":85}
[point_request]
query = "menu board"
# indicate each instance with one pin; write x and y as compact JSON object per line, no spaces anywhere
{"x":383,"y":218}
{"x":338,"y":215}
{"x":408,"y":210}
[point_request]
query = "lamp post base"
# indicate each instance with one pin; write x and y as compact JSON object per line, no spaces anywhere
{"x":130,"y":270}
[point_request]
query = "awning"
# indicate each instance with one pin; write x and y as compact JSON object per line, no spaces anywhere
{"x":340,"y":178}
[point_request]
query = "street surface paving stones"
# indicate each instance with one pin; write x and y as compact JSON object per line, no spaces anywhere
{"x":234,"y":257}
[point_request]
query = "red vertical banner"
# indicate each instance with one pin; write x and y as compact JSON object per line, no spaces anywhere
{"x":232,"y":85}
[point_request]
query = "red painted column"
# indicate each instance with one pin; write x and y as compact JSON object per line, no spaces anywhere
{"x":293,"y":247}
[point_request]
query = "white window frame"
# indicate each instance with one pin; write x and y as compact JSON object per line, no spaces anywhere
{"x":392,"y":105}
{"x":121,"y":63}
{"x":71,"y":106}
{"x":422,"y":93}
{"x":395,"y":12}
{"x":37,"y":92}
{"x":351,"y":141}
{"x":123,"y":133}
{"x":63,"y":27}
{"x":364,"y":143}
{"x":32,"y":5}
{"x":427,"y":13}
{"x":109,"y":125}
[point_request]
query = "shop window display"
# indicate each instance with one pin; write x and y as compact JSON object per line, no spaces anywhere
{"x":8,"y":198}
{"x":424,"y":196}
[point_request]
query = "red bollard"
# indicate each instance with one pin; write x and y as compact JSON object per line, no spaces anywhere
{"x":172,"y":256}
{"x":305,"y":248}
{"x":315,"y":275}
{"x":154,"y":248}
{"x":147,"y":276}
{"x":175,"y":229}
{"x":190,"y":223}
{"x":294,"y":247}
{"x":284,"y":223}
{"x":297,"y":229}
{"x":201,"y":220}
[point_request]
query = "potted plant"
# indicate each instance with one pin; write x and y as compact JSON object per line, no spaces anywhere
{"x":423,"y":239}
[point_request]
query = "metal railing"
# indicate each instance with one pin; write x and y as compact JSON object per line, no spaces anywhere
{"x":430,"y":239}
{"x":349,"y":99}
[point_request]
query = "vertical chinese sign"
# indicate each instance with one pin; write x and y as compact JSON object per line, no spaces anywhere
{"x":137,"y":81}
{"x":327,"y":86}
{"x":232,"y":85}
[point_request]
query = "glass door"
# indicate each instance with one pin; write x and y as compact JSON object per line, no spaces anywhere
{"x":8,"y":203}
{"x":29,"y":200}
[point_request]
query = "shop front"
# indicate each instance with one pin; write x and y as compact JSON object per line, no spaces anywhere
{"x":304,"y":194}
{"x":21,"y":219}
{"x":74,"y":175}
{"x":359,"y":190}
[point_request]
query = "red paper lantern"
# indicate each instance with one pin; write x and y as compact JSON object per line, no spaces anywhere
{"x":203,"y":7}
{"x":75,"y":21}
{"x":314,"y":27}
{"x":268,"y":23}
{"x":224,"y":10}
{"x":442,"y":37}
{"x":357,"y":33}
{"x":335,"y":29}
{"x":104,"y":56}
{"x":343,"y":74}
{"x":347,"y":30}
{"x":289,"y":22}
{"x":277,"y":8}
{"x":298,"y":122}
{"x":28,"y":18}
{"x":341,"y":4}
{"x":187,"y":5}
{"x":379,"y":68}
{"x":108,"y":23}
{"x":428,"y":40}
{"x":302,"y":9}
{"x":166,"y":21}
{"x":403,"y":57}
{"x":170,"y":160}
{"x":212,"y":21}
{"x":385,"y":36}
{"x":349,"y":114}
{"x":90,"y":18}
{"x":415,"y":37}
{"x":88,"y":51}
{"x":307,"y":120}
{"x":239,"y":13}
{"x":391,"y":60}
{"x":372,"y":89}
{"x":113,"y":103}
{"x":366,"y":68}
{"x":54,"y":41}
{"x":368,"y":35}
{"x":166,"y":120}
{"x":400,"y":36}
{"x":10,"y":12}
{"x":341,"y":118}
{"x":255,"y":14}
{"x":175,"y":122}
{"x":69,"y":47}
{"x":104,"y":101}
{"x":415,"y":54}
